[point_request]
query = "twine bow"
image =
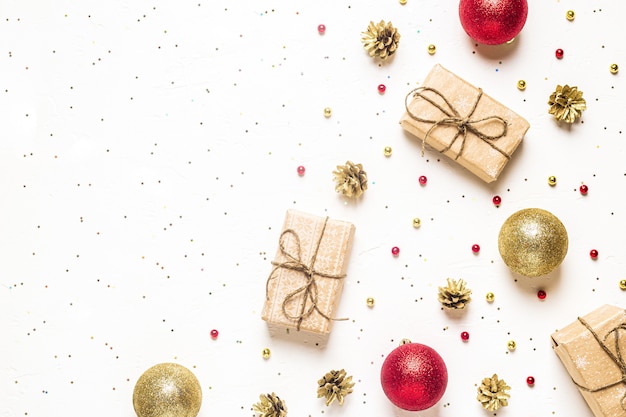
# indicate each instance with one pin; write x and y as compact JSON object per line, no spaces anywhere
{"x":615,"y":357}
{"x":453,"y":118}
{"x":309,"y":289}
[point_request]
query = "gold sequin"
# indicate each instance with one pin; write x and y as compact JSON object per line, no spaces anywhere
{"x":614,"y":68}
{"x":370,"y":301}
{"x":432,"y":49}
{"x":570,"y":15}
{"x":266,"y":353}
{"x":328,"y":112}
{"x":521,"y":85}
{"x":511,"y":345}
{"x":490,"y":297}
{"x":552,"y":180}
{"x":387,"y":151}
{"x":622,"y":284}
{"x":417,"y":222}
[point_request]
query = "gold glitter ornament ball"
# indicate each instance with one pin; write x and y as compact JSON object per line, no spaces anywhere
{"x":532,"y":242}
{"x":167,"y":390}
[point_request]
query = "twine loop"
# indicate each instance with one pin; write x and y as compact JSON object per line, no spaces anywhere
{"x":453,"y":118}
{"x":616,"y":357}
{"x":308,"y":291}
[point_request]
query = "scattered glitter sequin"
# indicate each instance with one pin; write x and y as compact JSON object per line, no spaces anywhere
{"x":541,"y":294}
{"x":465,"y":336}
{"x":552,"y":180}
{"x":301,"y":170}
{"x":395,"y":251}
{"x":614,"y":68}
{"x":387,"y":151}
{"x":266,"y":353}
{"x":511,"y":345}
{"x":432,"y":49}
{"x":328,"y":112}
{"x":490,"y":297}
{"x":423,"y":180}
{"x":321,"y":29}
{"x":530,"y":381}
{"x":559,"y":53}
{"x":622,"y":284}
{"x":570,"y":15}
{"x":593,"y":253}
{"x":417,"y":222}
{"x":475,"y":248}
{"x":214,"y":334}
{"x":521,"y":85}
{"x":382,"y":88}
{"x":583,"y":189}
{"x":496,"y":200}
{"x":370,"y":301}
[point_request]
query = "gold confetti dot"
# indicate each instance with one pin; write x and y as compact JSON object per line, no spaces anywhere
{"x":552,"y":180}
{"x":328,"y":112}
{"x":266,"y":353}
{"x":570,"y":15}
{"x":622,"y":284}
{"x":511,"y":344}
{"x":614,"y":68}
{"x":417,"y":222}
{"x":370,"y":301}
{"x":405,"y":341}
{"x":387,"y":151}
{"x":490,"y":297}
{"x":521,"y":85}
{"x":432,"y":49}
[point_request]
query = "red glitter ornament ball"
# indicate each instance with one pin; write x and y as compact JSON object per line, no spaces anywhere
{"x":493,"y":22}
{"x":414,"y":377}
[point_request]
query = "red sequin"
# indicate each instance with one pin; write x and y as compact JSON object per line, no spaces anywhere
{"x":395,"y":251}
{"x":464,"y":336}
{"x":530,"y":380}
{"x":541,"y":294}
{"x":496,"y":200}
{"x":475,"y":248}
{"x":321,"y":29}
{"x":382,"y":88}
{"x":423,"y":180}
{"x":584,"y":189}
{"x":301,"y":170}
{"x":214,"y":333}
{"x":593,"y":253}
{"x":559,"y":53}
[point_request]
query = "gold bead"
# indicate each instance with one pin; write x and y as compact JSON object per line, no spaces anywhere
{"x":266,"y":353}
{"x":614,"y":68}
{"x":432,"y":49}
{"x":387,"y":151}
{"x":405,"y":341}
{"x":417,"y":222}
{"x":328,"y":112}
{"x":622,"y":284}
{"x":402,"y":1}
{"x":370,"y":301}
{"x":552,"y":180}
{"x":521,"y":85}
{"x":511,"y":344}
{"x":490,"y":297}
{"x":570,"y":15}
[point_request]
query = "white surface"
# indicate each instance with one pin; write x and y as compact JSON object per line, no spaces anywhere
{"x":149,"y":152}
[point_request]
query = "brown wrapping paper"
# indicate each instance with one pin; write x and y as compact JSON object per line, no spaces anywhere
{"x":485,"y":158}
{"x":325,"y":246}
{"x":593,"y":370}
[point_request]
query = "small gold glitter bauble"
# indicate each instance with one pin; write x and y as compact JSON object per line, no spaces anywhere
{"x":167,"y":390}
{"x":432,"y":49}
{"x":387,"y":151}
{"x":570,"y":15}
{"x":490,"y":297}
{"x":328,"y":112}
{"x":405,"y":341}
{"x":417,"y":222}
{"x":511,"y":344}
{"x":552,"y":180}
{"x":521,"y":85}
{"x":266,"y":353}
{"x":370,"y":301}
{"x":614,"y":68}
{"x":622,"y":284}
{"x":532,"y":242}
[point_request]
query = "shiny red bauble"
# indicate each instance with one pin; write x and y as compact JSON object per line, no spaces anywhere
{"x":414,"y":377}
{"x":493,"y":22}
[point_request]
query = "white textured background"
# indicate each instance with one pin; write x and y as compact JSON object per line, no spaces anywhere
{"x":148,"y":152}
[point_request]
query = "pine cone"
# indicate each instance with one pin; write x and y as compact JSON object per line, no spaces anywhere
{"x":492,"y":393}
{"x":567,"y":103}
{"x":270,"y":406}
{"x":351,"y":179}
{"x":335,"y":385}
{"x":380,"y":40}
{"x":455,"y":296}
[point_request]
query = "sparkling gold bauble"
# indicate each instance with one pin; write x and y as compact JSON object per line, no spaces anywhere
{"x":552,"y":180}
{"x":532,"y":242}
{"x":167,"y":390}
{"x":387,"y":151}
{"x":614,"y":68}
{"x":266,"y":353}
{"x":570,"y":15}
{"x":521,"y":85}
{"x":328,"y":112}
{"x":432,"y":49}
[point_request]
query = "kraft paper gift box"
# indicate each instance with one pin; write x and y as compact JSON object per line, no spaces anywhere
{"x":459,"y":120}
{"x":591,"y":350}
{"x":304,"y":287}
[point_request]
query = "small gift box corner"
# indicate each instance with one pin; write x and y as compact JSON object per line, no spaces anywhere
{"x":306,"y":281}
{"x":459,"y":120}
{"x":591,"y":349}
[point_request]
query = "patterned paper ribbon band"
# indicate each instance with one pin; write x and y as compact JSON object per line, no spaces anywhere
{"x":309,"y":289}
{"x":453,"y":118}
{"x":615,"y":357}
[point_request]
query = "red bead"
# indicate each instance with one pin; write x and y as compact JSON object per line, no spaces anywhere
{"x":475,"y":248}
{"x":493,"y":22}
{"x":321,"y":29}
{"x":496,"y":200}
{"x":593,"y":253}
{"x":530,"y":380}
{"x":382,"y":88}
{"x":423,"y":180}
{"x":541,"y":294}
{"x":464,"y":336}
{"x":214,"y":333}
{"x":395,"y":251}
{"x":559,"y":53}
{"x":301,"y":170}
{"x":584,"y":189}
